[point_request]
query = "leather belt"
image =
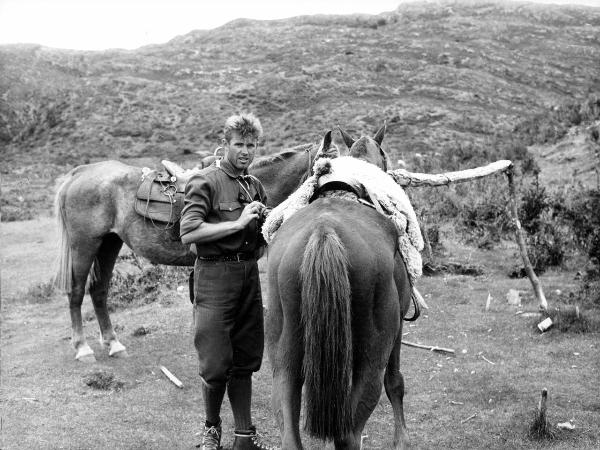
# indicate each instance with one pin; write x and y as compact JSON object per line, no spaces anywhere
{"x":247,"y":256}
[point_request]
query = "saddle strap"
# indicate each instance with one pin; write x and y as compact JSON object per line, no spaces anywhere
{"x":373,"y":196}
{"x":334,"y":186}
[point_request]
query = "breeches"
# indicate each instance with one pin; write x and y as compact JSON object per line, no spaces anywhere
{"x":228,"y":320}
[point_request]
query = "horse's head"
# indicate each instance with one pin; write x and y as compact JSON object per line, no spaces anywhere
{"x":367,"y":148}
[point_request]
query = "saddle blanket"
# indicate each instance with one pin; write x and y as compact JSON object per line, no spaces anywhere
{"x":392,"y":198}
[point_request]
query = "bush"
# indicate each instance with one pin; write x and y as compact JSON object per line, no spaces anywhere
{"x":145,"y":286}
{"x":580,"y":212}
{"x":546,"y":248}
{"x":487,"y":218}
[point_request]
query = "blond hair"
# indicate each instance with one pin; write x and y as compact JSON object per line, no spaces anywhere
{"x":245,"y":124}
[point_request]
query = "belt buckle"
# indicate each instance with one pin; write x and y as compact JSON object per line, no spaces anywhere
{"x":237,"y":257}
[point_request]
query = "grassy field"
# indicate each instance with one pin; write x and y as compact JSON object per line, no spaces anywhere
{"x":482,"y":398}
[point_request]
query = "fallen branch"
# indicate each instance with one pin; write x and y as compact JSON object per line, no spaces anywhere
{"x":406,"y":178}
{"x":171,"y":377}
{"x":433,"y":348}
{"x":487,"y":360}
{"x":472,"y":416}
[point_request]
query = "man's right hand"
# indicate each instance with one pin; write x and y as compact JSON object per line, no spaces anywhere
{"x":250,"y":212}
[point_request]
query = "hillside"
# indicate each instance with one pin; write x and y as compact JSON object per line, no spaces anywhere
{"x":453,"y":79}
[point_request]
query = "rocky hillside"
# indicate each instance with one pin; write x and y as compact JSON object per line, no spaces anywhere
{"x":454,"y":80}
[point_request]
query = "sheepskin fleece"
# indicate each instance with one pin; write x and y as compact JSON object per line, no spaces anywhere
{"x":390,"y":195}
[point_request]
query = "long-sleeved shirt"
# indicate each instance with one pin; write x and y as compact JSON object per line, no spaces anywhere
{"x":216,"y":195}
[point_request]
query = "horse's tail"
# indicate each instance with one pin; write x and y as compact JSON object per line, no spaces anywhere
{"x":326,"y":318}
{"x":64,"y":275}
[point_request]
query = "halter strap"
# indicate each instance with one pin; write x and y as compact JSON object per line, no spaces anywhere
{"x":309,"y":161}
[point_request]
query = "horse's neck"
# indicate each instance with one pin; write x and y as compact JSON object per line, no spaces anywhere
{"x":282,"y":176}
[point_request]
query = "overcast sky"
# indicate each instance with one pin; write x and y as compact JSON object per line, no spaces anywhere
{"x":101,"y":24}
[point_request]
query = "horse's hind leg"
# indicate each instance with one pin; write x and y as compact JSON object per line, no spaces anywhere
{"x":366,"y":391}
{"x":285,"y":355}
{"x":82,"y":259}
{"x":394,"y":388}
{"x":103,"y":268}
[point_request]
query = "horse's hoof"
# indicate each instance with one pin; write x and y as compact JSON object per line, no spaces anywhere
{"x":117,"y":350}
{"x":85,"y":354}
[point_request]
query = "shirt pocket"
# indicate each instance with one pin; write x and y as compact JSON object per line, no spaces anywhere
{"x":230,"y":210}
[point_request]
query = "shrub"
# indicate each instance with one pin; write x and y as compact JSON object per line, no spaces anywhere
{"x":547,"y":247}
{"x":487,"y":217}
{"x":580,"y":212}
{"x":145,"y":286}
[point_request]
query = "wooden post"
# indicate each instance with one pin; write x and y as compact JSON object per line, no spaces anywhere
{"x":520,"y":235}
{"x":407,"y":179}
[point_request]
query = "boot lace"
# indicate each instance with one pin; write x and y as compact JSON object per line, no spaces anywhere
{"x":211,"y":439}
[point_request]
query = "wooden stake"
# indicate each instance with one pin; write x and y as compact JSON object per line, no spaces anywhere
{"x":542,"y":404}
{"x":405,"y":178}
{"x":488,"y":302}
{"x":520,"y":235}
{"x":433,"y":348}
{"x":171,"y":377}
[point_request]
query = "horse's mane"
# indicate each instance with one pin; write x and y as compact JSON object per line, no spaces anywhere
{"x":282,"y":155}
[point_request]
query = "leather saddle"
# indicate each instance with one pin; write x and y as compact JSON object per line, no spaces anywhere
{"x":159,"y":197}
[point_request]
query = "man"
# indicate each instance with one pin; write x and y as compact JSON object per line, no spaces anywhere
{"x":221,"y":219}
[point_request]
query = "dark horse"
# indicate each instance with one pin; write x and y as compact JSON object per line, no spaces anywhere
{"x":338,"y":291}
{"x":94,"y":208}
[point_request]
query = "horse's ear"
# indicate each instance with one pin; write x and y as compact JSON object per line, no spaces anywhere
{"x":326,"y":142}
{"x":346,"y":137}
{"x":380,"y":134}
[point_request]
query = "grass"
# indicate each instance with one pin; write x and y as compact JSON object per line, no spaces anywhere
{"x":482,"y":398}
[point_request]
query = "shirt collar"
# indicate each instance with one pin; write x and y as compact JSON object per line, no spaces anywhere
{"x":227,"y":167}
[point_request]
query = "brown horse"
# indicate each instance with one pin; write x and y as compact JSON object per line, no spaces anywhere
{"x":95,"y":212}
{"x":338,"y":290}
{"x":94,"y":207}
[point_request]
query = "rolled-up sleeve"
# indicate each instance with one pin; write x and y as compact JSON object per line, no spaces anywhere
{"x":197,"y":204}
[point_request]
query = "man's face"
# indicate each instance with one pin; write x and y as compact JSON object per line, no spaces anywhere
{"x":240,"y":151}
